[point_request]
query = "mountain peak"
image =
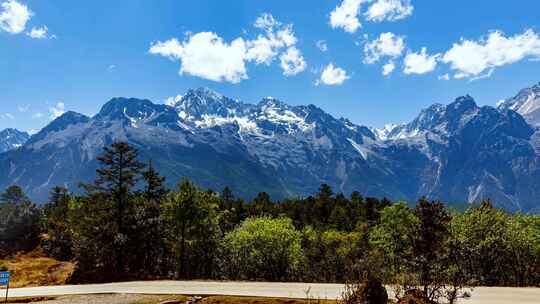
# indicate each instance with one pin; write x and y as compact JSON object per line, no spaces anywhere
{"x":463,"y":103}
{"x":271,"y":102}
{"x":70,"y":117}
{"x":12,"y":138}
{"x":122,"y":108}
{"x":204,"y":101}
{"x":205,"y":91}
{"x":526,"y":103}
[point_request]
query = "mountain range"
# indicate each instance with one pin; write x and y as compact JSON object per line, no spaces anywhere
{"x":458,"y":153}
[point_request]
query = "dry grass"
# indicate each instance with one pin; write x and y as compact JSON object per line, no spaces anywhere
{"x":28,"y":300}
{"x":33,"y":269}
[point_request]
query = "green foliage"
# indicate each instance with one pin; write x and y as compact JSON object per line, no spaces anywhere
{"x":501,"y":249}
{"x":393,"y":238}
{"x":128,"y":225}
{"x":263,"y":248}
{"x":20,"y":222}
{"x":192,"y":220}
{"x":58,"y":242}
{"x":331,"y":255}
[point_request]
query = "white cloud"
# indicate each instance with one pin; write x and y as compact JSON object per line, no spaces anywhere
{"x":39,"y":33}
{"x":444,"y":77}
{"x":171,"y":48}
{"x":420,"y":63}
{"x":483,"y":76}
{"x":7,"y":116}
{"x":322,"y":46}
{"x":268,"y":45}
{"x":37,"y":115}
{"x":266,"y":21}
{"x":389,"y":10}
{"x":111,"y":68}
{"x":388,"y":68}
{"x":208,"y":56}
{"x":345,"y":15}
{"x":57,"y":110}
{"x":23,"y":109}
{"x":471,"y":58}
{"x":387,"y":45}
{"x":292,"y":62}
{"x":332,"y":75}
{"x":172,"y":100}
{"x":14,"y":16}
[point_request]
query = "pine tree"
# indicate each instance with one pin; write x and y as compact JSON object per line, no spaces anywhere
{"x":428,"y":244}
{"x":20,"y":225}
{"x":154,"y":189}
{"x":180,"y":213}
{"x":57,"y":225}
{"x":14,"y":195}
{"x":119,"y":172}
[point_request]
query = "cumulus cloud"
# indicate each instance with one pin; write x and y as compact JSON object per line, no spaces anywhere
{"x":388,"y":68}
{"x":57,"y":110}
{"x":333,"y":75}
{"x":471,"y":59}
{"x":420,"y":63}
{"x":322,"y":46}
{"x":389,"y":10}
{"x":345,"y":15}
{"x":39,"y":33}
{"x":14,"y":16}
{"x":209,"y":56}
{"x":266,"y":21}
{"x":292,"y":62}
{"x":387,"y":45}
{"x":268,"y":45}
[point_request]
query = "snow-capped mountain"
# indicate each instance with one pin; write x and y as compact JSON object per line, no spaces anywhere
{"x":12,"y":139}
{"x":457,"y":153}
{"x":526,"y":103}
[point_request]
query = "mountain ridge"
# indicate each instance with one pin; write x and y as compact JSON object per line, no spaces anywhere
{"x":458,"y":152}
{"x":12,"y":138}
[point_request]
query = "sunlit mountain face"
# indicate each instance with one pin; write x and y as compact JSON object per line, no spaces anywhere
{"x":459,"y":153}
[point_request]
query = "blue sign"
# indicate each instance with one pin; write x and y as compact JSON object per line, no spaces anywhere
{"x":4,"y":278}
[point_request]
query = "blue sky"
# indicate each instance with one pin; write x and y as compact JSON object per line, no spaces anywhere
{"x":76,"y":55}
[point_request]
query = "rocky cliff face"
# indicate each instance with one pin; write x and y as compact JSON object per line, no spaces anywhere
{"x":456,"y":153}
{"x":526,"y":103}
{"x":12,"y":139}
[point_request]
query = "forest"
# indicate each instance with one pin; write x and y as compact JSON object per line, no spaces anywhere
{"x":127,"y":225}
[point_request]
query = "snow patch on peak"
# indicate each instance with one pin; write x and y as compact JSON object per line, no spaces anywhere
{"x":359,"y":148}
{"x":384,"y":132}
{"x":526,"y":103}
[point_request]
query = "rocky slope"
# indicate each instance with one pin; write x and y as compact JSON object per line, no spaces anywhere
{"x":12,"y":139}
{"x":526,"y":103}
{"x":457,"y":153}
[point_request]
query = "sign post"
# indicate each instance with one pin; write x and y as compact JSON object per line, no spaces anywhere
{"x":4,"y":281}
